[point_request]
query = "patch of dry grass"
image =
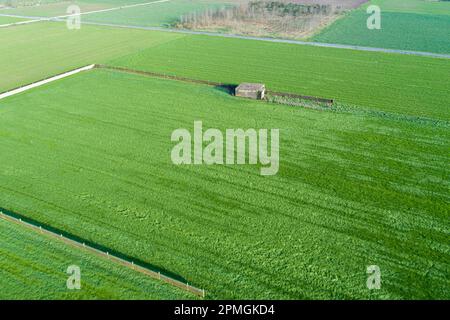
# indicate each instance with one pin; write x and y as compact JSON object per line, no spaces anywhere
{"x":283,"y":19}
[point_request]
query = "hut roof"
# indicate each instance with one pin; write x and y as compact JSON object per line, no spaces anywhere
{"x":251,"y":87}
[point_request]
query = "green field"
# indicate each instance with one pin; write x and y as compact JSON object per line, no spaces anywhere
{"x":22,"y":3}
{"x":384,"y":82}
{"x":7,"y":20}
{"x":37,"y":51}
{"x":406,"y":31}
{"x":33,"y":266}
{"x":380,"y":81}
{"x":53,"y":9}
{"x":355,"y":188}
{"x":416,"y":25}
{"x":365,"y":182}
{"x":413,"y":6}
{"x":160,"y":14}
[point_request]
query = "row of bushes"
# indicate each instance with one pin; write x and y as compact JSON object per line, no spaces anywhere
{"x":289,"y":9}
{"x":257,"y":10}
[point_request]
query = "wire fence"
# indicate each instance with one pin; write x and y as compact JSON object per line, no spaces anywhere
{"x":104,"y":254}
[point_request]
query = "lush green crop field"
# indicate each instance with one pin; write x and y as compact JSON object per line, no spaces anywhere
{"x":413,"y":6}
{"x":53,"y":8}
{"x":33,"y":266}
{"x":22,"y":3}
{"x":90,"y":155}
{"x":384,"y":82}
{"x":7,"y":20}
{"x":395,"y":83}
{"x":36,"y":51}
{"x":159,"y":14}
{"x":57,"y":8}
{"x":405,"y":24}
{"x":406,"y":31}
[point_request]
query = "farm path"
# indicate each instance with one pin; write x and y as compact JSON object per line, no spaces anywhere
{"x":44,"y":81}
{"x":299,"y":42}
{"x":214,"y":34}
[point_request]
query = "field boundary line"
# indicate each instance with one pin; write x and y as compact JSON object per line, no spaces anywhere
{"x":288,"y":41}
{"x":104,"y":254}
{"x":160,"y":75}
{"x":110,"y":9}
{"x":229,"y":86}
{"x":23,"y":17}
{"x":18,"y":23}
{"x":44,"y":81}
{"x":236,"y":36}
{"x":56,"y":18}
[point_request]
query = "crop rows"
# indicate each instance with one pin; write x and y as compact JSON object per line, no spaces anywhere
{"x":385,"y":82}
{"x":352,"y":190}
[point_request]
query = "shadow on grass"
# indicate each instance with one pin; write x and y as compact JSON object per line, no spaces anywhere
{"x":227,"y":88}
{"x":94,"y":245}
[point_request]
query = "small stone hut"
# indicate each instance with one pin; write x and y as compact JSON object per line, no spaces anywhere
{"x":251,"y":90}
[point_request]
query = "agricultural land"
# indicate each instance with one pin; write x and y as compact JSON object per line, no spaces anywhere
{"x":362,"y":181}
{"x":416,"y":25}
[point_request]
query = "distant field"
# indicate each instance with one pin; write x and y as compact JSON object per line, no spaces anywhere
{"x":308,"y":232}
{"x":37,"y":51}
{"x":406,"y":31}
{"x":160,"y":14}
{"x":409,"y":85}
{"x":416,"y":25}
{"x":33,"y":266}
{"x":7,"y":20}
{"x":380,"y":81}
{"x":23,"y":3}
{"x":59,"y":8}
{"x":54,"y":8}
{"x":414,"y":6}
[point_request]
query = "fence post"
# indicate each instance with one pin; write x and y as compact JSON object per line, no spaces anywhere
{"x":69,"y":240}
